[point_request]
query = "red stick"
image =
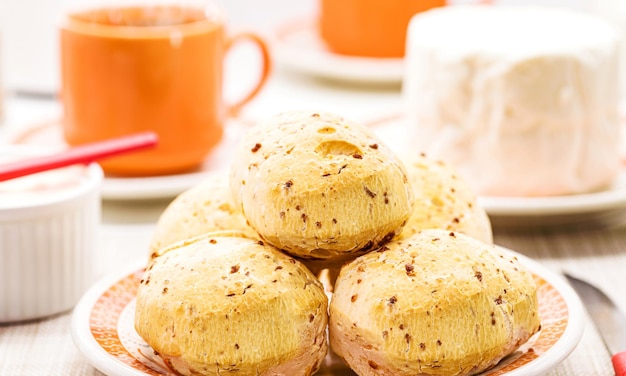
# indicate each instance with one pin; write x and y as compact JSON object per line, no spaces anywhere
{"x":79,"y":154}
{"x":619,"y":363}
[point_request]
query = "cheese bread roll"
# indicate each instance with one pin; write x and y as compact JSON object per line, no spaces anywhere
{"x":319,"y":186}
{"x":226,"y":304}
{"x":203,"y":208}
{"x":444,"y":200}
{"x":436,"y":303}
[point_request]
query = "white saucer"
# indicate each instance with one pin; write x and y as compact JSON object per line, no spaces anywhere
{"x":601,"y":206}
{"x":167,"y":186}
{"x":143,"y":188}
{"x":296,"y":45}
{"x":103,"y":328}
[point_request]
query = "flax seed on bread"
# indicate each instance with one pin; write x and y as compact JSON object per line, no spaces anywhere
{"x":435,"y":303}
{"x":223,"y":303}
{"x":205,"y":207}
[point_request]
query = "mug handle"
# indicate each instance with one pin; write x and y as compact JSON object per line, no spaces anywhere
{"x":234,"y":108}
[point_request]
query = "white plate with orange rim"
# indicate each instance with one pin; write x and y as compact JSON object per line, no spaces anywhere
{"x":604,"y":206}
{"x":49,"y":134}
{"x":103,"y":328}
{"x":296,"y":45}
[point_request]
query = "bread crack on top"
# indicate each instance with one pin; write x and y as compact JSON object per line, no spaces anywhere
{"x":332,"y":208}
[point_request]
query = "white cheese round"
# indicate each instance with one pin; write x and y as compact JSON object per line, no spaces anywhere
{"x":522,"y":101}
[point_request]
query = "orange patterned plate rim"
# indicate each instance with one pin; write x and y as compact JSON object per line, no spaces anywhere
{"x":102,"y":328}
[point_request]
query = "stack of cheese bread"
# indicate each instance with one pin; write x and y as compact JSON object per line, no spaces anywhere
{"x":232,"y":284}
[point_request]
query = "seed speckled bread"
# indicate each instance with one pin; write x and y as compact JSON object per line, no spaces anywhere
{"x":319,"y":186}
{"x":225,"y":304}
{"x":436,"y":303}
{"x":444,"y":200}
{"x":203,"y":208}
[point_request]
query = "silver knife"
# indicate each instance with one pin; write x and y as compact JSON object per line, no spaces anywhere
{"x":607,"y":317}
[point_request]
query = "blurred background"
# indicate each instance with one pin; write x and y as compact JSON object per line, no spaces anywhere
{"x":29,"y":38}
{"x":29,"y":43}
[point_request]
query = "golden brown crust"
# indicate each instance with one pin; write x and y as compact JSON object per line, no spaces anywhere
{"x":436,"y":303}
{"x":203,"y":208}
{"x":320,"y":186}
{"x":444,"y":200}
{"x":221,"y":303}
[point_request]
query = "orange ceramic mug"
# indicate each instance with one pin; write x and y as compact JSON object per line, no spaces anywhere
{"x":369,"y":28}
{"x":159,"y":68}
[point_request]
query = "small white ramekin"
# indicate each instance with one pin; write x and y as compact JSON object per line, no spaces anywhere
{"x":48,"y":247}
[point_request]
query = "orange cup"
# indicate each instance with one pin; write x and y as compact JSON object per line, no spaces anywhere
{"x":369,"y":28}
{"x":158,"y":68}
